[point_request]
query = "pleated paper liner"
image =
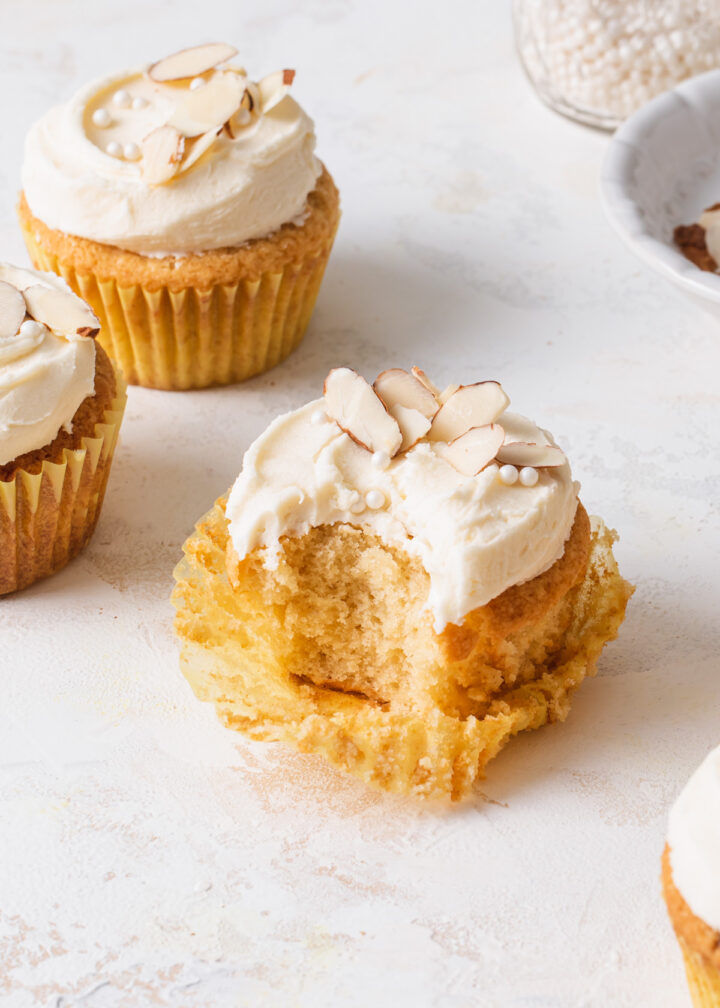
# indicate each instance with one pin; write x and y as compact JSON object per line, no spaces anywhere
{"x":428,"y":754}
{"x":703,"y":979}
{"x":196,"y":338}
{"x":47,"y":518}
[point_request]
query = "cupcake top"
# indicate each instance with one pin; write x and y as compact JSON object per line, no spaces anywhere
{"x":482,"y":496}
{"x":694,"y":841}
{"x":47,"y":358}
{"x":185,"y":155}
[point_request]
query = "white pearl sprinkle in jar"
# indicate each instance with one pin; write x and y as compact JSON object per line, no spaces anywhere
{"x":528,"y":476}
{"x":508,"y":474}
{"x":598,"y":61}
{"x":374,"y":499}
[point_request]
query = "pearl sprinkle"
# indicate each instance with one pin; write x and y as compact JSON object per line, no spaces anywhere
{"x":508,"y":474}
{"x":529,"y":476}
{"x":138,"y":103}
{"x":357,"y":504}
{"x":131,"y":151}
{"x":122,"y":98}
{"x":114,"y":149}
{"x":374,"y":499}
{"x":381,"y":460}
{"x":101,"y":117}
{"x":196,"y":83}
{"x":318,"y":416}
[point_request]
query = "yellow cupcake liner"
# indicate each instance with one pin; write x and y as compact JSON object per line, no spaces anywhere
{"x":427,"y":753}
{"x":196,"y":338}
{"x":703,"y":979}
{"x":46,"y":518}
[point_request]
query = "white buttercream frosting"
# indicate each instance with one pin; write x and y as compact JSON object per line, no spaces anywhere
{"x":239,"y":189}
{"x":44,"y":375}
{"x":475,"y":536}
{"x":694,"y":841}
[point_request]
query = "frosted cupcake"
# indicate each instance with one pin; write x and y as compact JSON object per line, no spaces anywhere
{"x":691,"y":879}
{"x":61,"y":403}
{"x":185,"y":204}
{"x":400,"y":580}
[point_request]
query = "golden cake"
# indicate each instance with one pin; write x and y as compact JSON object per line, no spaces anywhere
{"x":184,"y":202}
{"x":61,"y":403}
{"x":691,"y":880}
{"x":400,"y":579}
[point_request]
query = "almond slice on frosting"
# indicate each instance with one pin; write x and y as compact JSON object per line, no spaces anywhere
{"x":470,"y":406}
{"x":427,"y":382}
{"x":446,"y":393}
{"x":197,"y":147}
{"x":412,"y":423}
{"x":17,"y":277}
{"x":528,"y":453}
{"x":12,"y":309}
{"x":274,"y":87}
{"x":191,"y":62}
{"x":358,"y":411}
{"x":61,"y":311}
{"x":208,"y":107}
{"x":397,"y":387}
{"x":162,"y":152}
{"x":474,"y":450}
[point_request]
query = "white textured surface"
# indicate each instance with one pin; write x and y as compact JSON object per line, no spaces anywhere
{"x":149,"y":857}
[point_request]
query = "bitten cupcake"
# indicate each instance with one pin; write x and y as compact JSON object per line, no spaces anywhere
{"x":184,"y":202}
{"x":61,"y":403}
{"x":691,"y":879}
{"x":400,"y":580}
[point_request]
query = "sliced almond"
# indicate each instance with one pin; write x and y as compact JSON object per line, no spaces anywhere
{"x":210,"y":106}
{"x":237,"y":122}
{"x":195,"y":149}
{"x":529,"y":453}
{"x":448,"y":391}
{"x":12,"y":309}
{"x":59,"y":310}
{"x":353,"y":405}
{"x":422,"y":377}
{"x":470,"y":406}
{"x":474,"y":449}
{"x":274,"y":87}
{"x":251,"y":100}
{"x":17,"y":277}
{"x":162,"y":152}
{"x":412,"y":423}
{"x":397,"y":387}
{"x":191,"y":62}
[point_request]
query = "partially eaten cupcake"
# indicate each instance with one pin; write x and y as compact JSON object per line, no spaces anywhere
{"x":700,"y":243}
{"x":400,"y":579}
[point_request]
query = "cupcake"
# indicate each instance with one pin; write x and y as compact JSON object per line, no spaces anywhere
{"x":400,"y":580}
{"x":185,"y":204}
{"x":61,"y":403}
{"x":691,"y":879}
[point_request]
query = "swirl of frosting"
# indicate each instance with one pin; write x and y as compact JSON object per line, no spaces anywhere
{"x":86,"y":165}
{"x":45,"y":374}
{"x":475,"y":535}
{"x":694,"y":841}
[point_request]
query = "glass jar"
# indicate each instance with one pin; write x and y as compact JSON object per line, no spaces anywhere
{"x":598,"y":61}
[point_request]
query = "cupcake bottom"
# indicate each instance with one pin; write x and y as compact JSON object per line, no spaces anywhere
{"x":699,"y":943}
{"x":213,"y":318}
{"x":50,"y":499}
{"x":334,"y":653}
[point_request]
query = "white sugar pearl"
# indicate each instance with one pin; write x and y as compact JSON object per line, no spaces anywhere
{"x":357,"y":504}
{"x":32,"y":329}
{"x":374,"y":499}
{"x":196,"y":82}
{"x":138,"y":103}
{"x":122,"y":98}
{"x":131,"y":151}
{"x":101,"y":117}
{"x":318,"y":416}
{"x":114,"y":149}
{"x":528,"y":476}
{"x":381,"y":460}
{"x":508,"y":474}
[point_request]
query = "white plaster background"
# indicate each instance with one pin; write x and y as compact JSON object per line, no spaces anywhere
{"x":148,"y":856}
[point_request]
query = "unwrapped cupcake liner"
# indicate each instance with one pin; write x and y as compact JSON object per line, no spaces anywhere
{"x":703,"y":979}
{"x":46,"y":518}
{"x":425,"y":753}
{"x":196,"y":338}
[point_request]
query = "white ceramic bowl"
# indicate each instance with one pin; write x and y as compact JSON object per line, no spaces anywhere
{"x":662,"y":169}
